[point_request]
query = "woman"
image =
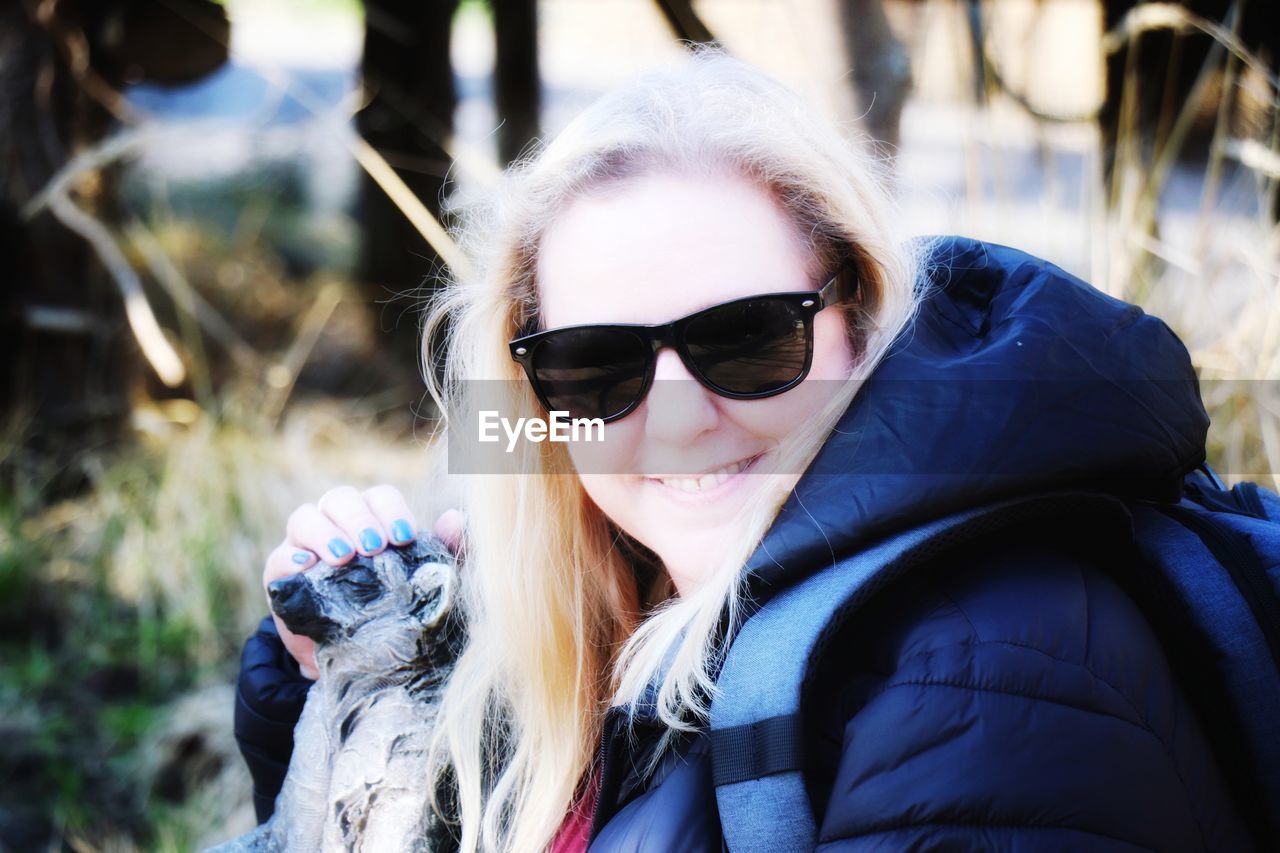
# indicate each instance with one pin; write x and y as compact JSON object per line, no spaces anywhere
{"x":1008,"y":695}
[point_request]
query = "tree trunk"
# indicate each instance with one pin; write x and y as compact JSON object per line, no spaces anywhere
{"x":408,"y":82}
{"x":881,"y":66}
{"x":516,"y":83}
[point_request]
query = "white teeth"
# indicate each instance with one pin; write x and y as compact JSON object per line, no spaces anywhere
{"x":706,"y":481}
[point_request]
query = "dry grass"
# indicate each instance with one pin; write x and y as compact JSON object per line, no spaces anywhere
{"x":1212,"y":273}
{"x":119,"y":602}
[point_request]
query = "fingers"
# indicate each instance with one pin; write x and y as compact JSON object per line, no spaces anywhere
{"x":449,"y":528}
{"x":286,"y":559}
{"x":347,"y":510}
{"x":310,"y":529}
{"x":392,"y":512}
{"x":346,"y":522}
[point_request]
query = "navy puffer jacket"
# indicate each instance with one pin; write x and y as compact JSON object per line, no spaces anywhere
{"x":1011,"y":695}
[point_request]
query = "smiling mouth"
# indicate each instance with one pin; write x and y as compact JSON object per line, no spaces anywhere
{"x":708,"y":481}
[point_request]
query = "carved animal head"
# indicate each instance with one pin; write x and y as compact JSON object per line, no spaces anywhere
{"x":373,"y":612}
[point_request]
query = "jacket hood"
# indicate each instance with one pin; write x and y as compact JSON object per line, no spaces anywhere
{"x":1015,"y":377}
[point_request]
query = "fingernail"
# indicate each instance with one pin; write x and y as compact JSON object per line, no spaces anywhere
{"x":370,"y":540}
{"x":401,"y":531}
{"x":302,"y":557}
{"x":339,"y":547}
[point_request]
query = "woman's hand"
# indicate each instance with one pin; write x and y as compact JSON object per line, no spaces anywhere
{"x":343,"y":523}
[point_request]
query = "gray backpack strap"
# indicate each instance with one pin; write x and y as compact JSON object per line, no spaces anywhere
{"x":757,"y":741}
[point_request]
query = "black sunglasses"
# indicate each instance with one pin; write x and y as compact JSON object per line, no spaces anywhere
{"x":745,"y":349}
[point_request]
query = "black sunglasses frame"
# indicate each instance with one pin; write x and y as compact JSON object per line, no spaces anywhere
{"x":524,"y":349}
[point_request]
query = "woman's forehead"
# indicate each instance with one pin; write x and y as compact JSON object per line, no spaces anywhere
{"x":661,"y":246}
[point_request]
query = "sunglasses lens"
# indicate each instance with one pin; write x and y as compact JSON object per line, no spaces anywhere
{"x":751,"y":347}
{"x":591,"y":373}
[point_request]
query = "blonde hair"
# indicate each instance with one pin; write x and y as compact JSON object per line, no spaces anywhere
{"x":558,"y":628}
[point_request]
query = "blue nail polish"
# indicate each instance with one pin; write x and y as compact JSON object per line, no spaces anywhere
{"x":370,"y":540}
{"x":302,"y":557}
{"x":401,"y":531}
{"x":339,"y":548}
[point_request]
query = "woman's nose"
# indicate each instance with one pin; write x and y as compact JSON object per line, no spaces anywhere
{"x":678,"y":407}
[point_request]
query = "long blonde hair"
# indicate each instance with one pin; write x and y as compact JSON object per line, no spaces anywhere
{"x":558,"y":623}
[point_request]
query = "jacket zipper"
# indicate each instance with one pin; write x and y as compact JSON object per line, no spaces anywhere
{"x":601,"y":761}
{"x":1249,"y":577}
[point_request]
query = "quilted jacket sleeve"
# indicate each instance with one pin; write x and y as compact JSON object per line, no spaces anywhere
{"x":270,"y":693}
{"x":1016,"y":700}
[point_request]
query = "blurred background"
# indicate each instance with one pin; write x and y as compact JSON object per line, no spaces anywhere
{"x":217,"y":221}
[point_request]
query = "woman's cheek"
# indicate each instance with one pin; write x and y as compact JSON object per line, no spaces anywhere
{"x":615,"y":495}
{"x":833,"y":356}
{"x":770,"y":420}
{"x":611,"y":450}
